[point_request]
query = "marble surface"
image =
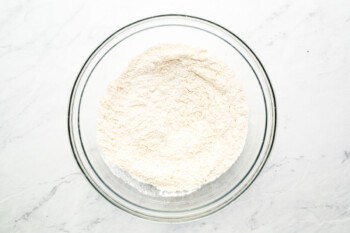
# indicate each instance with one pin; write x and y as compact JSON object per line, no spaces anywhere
{"x":304,"y":45}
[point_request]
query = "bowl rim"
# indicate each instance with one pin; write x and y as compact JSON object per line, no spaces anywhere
{"x":193,"y":216}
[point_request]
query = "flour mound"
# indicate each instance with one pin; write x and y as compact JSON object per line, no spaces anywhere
{"x":175,"y":119}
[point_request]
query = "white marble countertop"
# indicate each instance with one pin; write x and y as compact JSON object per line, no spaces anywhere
{"x":305,"y":47}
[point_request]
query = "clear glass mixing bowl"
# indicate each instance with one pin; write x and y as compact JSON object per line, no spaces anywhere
{"x":108,"y":61}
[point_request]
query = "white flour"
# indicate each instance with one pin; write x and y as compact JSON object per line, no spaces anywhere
{"x":175,"y":119}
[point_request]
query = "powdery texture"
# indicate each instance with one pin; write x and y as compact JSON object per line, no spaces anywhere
{"x":175,"y":119}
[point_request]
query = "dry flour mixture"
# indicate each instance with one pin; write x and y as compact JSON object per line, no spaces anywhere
{"x":175,"y":119}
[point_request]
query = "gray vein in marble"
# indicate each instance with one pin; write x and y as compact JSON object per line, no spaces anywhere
{"x":67,"y":22}
{"x":26,"y":189}
{"x":278,"y":12}
{"x":14,"y":136}
{"x":283,"y":162}
{"x":92,"y":224}
{"x":346,"y":156}
{"x":253,"y":221}
{"x":8,"y":49}
{"x":45,"y":198}
{"x":11,"y":13}
{"x":273,"y":16}
{"x":59,"y":228}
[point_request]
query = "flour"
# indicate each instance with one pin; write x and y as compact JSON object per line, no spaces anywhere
{"x":175,"y":119}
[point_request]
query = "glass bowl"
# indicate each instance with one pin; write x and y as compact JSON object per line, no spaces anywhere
{"x":107,"y":62}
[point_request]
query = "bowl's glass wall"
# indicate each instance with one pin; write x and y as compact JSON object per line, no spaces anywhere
{"x":109,"y":61}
